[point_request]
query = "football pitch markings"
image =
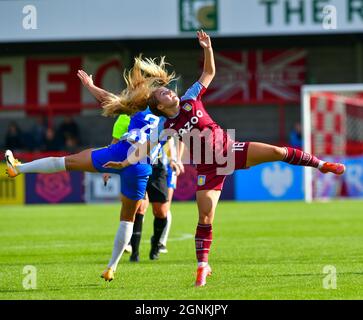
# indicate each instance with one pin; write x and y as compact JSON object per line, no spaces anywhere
{"x":260,"y":251}
{"x":73,"y":244}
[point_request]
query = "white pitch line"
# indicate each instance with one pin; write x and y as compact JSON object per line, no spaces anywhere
{"x":183,"y":237}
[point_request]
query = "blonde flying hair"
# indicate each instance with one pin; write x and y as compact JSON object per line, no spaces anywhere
{"x":141,"y":80}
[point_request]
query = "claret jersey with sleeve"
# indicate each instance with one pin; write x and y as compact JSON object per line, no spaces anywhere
{"x":194,"y":122}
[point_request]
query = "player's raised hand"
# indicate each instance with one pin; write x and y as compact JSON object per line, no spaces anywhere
{"x":204,"y":39}
{"x":174,"y":166}
{"x":86,"y":79}
{"x":181,"y":167}
{"x":106,"y":177}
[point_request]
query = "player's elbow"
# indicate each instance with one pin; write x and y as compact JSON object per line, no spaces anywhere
{"x":211,"y":73}
{"x":207,"y":78}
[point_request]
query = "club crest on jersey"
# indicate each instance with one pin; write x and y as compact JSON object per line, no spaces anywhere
{"x":201,"y":180}
{"x":187,"y":107}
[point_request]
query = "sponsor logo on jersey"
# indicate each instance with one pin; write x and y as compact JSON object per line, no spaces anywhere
{"x":188,"y":126}
{"x":187,"y":107}
{"x":201,"y":180}
{"x":171,"y":124}
{"x":238,"y":146}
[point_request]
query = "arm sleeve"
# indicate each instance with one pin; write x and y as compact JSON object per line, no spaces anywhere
{"x":195,"y":92}
{"x":121,"y":126}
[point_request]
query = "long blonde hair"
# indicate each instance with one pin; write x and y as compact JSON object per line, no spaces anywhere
{"x":141,"y":80}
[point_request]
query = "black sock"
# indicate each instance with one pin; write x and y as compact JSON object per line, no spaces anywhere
{"x":159,"y":225}
{"x":136,"y":234}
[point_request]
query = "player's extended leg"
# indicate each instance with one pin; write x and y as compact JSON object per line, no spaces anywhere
{"x":81,"y":161}
{"x":207,"y":202}
{"x":260,"y":152}
{"x":123,"y":235}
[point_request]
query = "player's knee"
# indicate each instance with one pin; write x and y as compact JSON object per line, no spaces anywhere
{"x":161,"y":214}
{"x":206,"y":217}
{"x":141,"y":211}
{"x":69,"y":162}
{"x":160,"y":210}
{"x":278,"y":152}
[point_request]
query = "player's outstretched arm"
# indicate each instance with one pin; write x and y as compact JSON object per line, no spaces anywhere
{"x":209,"y":68}
{"x":100,"y":94}
{"x":140,"y":152}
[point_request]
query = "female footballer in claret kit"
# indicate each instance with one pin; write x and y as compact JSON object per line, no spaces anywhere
{"x":188,"y":114}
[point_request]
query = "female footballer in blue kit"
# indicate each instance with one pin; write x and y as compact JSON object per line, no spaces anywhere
{"x":134,"y":178}
{"x":159,"y":192}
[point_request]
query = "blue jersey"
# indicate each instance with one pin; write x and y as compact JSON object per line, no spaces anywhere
{"x":141,"y":126}
{"x":145,"y":126}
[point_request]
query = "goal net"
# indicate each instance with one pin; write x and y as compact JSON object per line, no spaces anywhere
{"x":333,"y":131}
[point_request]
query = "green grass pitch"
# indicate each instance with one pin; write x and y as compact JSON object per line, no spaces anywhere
{"x":259,"y":251}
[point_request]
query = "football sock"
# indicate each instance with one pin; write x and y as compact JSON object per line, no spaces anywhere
{"x":136,"y":235}
{"x":165,"y":234}
{"x":122,"y":239}
{"x":45,"y":165}
{"x":301,"y":158}
{"x":159,"y":225}
{"x":203,"y":242}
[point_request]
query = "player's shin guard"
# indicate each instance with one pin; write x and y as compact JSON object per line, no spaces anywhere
{"x":203,"y":242}
{"x":165,"y":234}
{"x":136,"y":235}
{"x":301,"y":158}
{"x":159,"y":225}
{"x":122,"y":239}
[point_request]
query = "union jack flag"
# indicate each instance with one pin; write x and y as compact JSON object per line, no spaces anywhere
{"x":257,"y":76}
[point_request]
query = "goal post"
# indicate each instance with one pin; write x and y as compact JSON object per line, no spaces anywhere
{"x":332,"y":121}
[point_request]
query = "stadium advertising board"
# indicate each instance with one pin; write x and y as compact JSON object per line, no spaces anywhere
{"x":269,"y":182}
{"x":354,"y":177}
{"x":186,"y":184}
{"x":54,"y":21}
{"x":62,"y":187}
{"x":36,"y":82}
{"x":247,"y":76}
{"x":348,"y":185}
{"x":96,"y":191}
{"x":256,"y":76}
{"x":11,"y":190}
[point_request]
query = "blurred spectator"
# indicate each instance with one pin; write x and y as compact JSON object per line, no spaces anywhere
{"x":71,"y":145}
{"x":295,"y":138}
{"x":13,"y":137}
{"x":51,"y":143}
{"x":36,"y":136}
{"x":68,"y":129}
